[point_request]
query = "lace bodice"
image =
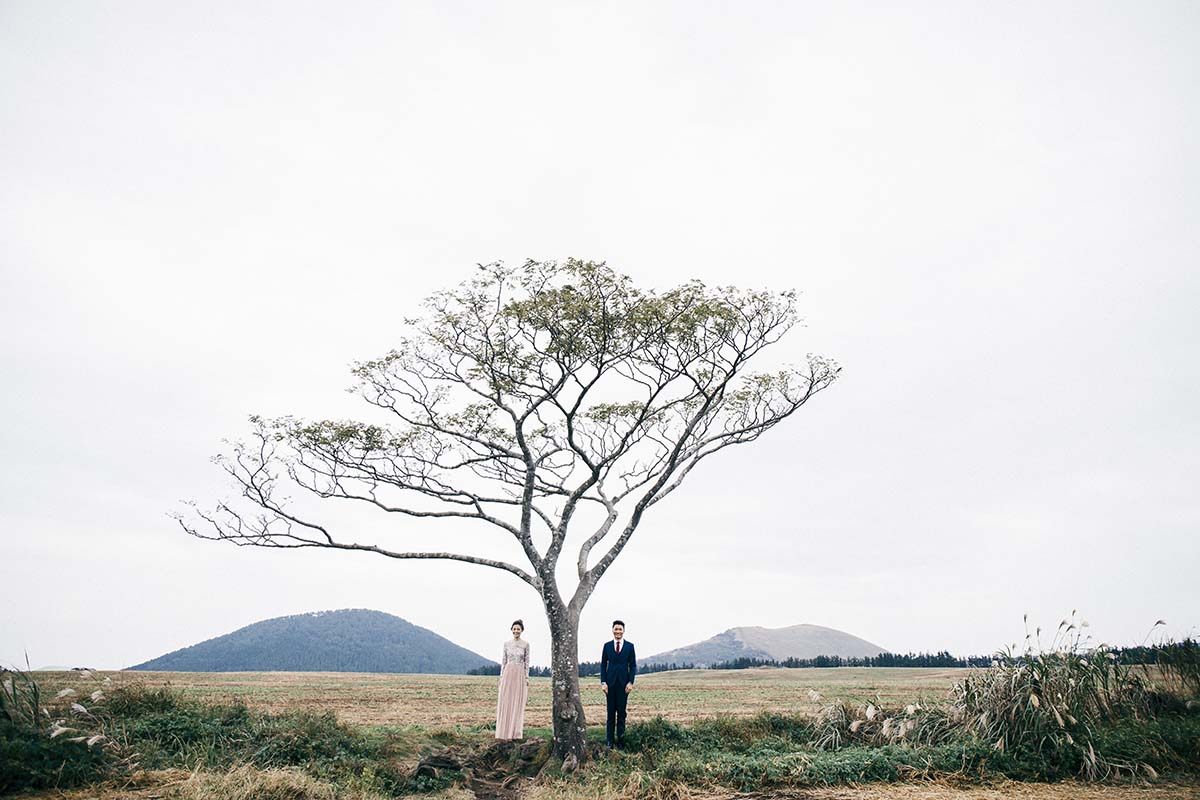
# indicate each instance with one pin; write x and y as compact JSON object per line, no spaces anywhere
{"x":516,"y":651}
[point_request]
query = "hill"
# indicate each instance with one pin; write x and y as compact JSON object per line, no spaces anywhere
{"x":796,"y":641}
{"x":350,"y":640}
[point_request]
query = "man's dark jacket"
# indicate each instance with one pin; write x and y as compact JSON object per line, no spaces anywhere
{"x":618,"y":669}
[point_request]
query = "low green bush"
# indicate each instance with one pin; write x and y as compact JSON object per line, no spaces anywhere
{"x":48,"y":742}
{"x":30,"y":759}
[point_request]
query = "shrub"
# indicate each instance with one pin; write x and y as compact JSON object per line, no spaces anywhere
{"x":656,"y":733}
{"x":30,"y":759}
{"x":49,"y":742}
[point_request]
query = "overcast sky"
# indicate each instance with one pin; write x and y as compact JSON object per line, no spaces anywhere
{"x":210,"y":209}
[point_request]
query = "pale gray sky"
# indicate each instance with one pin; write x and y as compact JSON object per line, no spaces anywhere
{"x":209,"y":209}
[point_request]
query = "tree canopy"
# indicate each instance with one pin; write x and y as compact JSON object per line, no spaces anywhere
{"x":523,"y":394}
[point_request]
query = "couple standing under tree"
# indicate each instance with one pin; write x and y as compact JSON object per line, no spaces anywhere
{"x":618,"y":668}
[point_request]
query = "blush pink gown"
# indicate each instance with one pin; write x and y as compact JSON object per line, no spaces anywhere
{"x":514,"y":690}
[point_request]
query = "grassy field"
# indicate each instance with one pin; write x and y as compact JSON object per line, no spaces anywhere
{"x":437,"y":701}
{"x":405,"y":717}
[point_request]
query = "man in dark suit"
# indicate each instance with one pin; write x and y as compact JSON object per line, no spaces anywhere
{"x":618,"y":667}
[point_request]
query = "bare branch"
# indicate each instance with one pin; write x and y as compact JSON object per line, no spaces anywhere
{"x":286,"y":539}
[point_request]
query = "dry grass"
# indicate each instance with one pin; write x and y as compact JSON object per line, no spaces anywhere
{"x":248,"y":783}
{"x":902,"y":791}
{"x":242,"y":783}
{"x":437,"y":701}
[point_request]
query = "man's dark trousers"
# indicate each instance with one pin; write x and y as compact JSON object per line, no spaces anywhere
{"x":616,"y":670}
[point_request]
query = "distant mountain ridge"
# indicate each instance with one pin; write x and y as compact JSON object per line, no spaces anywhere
{"x":349,"y":640}
{"x":776,"y":644}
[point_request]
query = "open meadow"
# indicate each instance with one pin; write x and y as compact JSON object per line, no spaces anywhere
{"x":438,"y":701}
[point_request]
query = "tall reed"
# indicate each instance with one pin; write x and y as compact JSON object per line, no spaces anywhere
{"x":1053,"y":697}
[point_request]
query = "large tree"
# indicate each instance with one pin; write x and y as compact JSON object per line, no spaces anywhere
{"x":543,"y":401}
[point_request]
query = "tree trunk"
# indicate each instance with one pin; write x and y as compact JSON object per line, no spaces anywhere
{"x":570,"y":727}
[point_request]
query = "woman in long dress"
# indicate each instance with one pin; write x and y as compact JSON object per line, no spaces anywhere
{"x":514,"y":686}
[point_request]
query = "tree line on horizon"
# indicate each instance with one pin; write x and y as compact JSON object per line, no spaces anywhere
{"x":587,"y":669}
{"x":941,"y":658}
{"x":1129,"y":656}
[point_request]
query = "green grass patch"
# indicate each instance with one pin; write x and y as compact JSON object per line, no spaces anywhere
{"x":172,"y":731}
